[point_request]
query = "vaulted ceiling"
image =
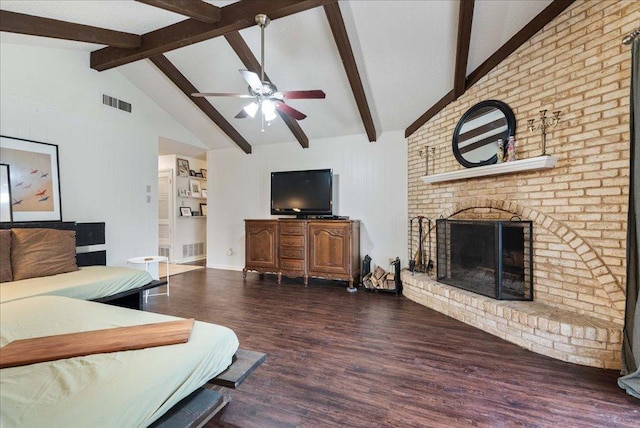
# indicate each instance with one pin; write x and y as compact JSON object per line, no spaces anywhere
{"x":384,"y":65}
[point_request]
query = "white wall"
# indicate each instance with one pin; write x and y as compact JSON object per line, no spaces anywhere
{"x":372,"y":180}
{"x":107,"y":157}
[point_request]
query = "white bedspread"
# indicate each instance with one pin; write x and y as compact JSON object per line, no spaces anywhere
{"x":120,"y":389}
{"x":88,"y":283}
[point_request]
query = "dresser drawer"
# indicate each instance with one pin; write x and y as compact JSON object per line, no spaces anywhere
{"x":292,"y":229}
{"x":292,"y":253}
{"x":292,"y":264}
{"x":291,"y":241}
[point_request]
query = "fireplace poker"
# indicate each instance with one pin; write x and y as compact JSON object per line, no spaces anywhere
{"x":412,"y":262}
{"x":430,"y":262}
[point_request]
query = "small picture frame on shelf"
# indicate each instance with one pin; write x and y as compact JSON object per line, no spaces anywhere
{"x":183,"y":167}
{"x":203,"y":209}
{"x":194,"y":186}
{"x":182,"y":192}
{"x":203,"y":172}
{"x":185,"y":211}
{"x":195,"y":213}
{"x":192,"y":173}
{"x":199,"y":175}
{"x":203,"y":192}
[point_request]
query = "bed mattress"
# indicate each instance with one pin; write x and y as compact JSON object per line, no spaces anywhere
{"x":87,"y":283}
{"x":130,"y":388}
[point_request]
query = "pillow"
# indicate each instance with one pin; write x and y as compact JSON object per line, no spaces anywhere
{"x":5,"y":256}
{"x":42,"y":252}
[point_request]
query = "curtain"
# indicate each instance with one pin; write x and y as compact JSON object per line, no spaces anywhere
{"x":631,"y":333}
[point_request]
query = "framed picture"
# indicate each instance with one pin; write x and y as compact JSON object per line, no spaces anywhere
{"x":203,"y":192}
{"x":203,"y":209}
{"x":203,"y":172}
{"x":199,"y":175}
{"x":6,"y":213}
{"x":34,"y":179}
{"x":182,"y":192}
{"x":194,"y":186}
{"x":185,"y":211}
{"x":183,"y":167}
{"x":192,"y":173}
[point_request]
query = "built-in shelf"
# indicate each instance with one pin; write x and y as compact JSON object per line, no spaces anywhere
{"x":540,"y":162}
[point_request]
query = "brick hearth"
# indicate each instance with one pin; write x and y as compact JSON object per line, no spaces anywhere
{"x":541,"y":328}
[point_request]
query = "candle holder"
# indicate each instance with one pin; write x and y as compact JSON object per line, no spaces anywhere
{"x":425,"y":154}
{"x":545,"y":122}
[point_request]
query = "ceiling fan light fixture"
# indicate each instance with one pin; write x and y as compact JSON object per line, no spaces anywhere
{"x":252,"y":109}
{"x":269,"y":110}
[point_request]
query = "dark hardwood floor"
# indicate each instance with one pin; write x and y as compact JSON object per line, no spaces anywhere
{"x":365,"y":359}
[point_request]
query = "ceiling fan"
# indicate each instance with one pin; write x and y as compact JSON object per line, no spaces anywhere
{"x":266,"y":96}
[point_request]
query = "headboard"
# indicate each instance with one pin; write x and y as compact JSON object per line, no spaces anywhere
{"x":87,"y":234}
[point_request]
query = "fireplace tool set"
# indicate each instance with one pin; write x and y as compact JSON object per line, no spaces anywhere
{"x":417,"y":260}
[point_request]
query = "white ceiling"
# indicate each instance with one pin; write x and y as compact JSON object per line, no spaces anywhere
{"x":405,"y":52}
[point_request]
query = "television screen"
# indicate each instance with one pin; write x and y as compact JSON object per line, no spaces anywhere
{"x":302,"y":192}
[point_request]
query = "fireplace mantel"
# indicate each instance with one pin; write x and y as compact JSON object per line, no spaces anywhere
{"x":540,"y":162}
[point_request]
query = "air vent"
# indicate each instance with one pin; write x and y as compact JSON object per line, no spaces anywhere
{"x":192,"y":250}
{"x":116,"y":103}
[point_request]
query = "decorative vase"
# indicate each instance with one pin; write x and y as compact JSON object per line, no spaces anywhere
{"x":511,"y":149}
{"x":500,"y":153}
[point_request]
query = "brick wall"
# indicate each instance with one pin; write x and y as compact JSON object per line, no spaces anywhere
{"x":576,"y":64}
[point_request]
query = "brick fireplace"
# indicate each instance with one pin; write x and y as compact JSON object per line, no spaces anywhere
{"x":578,"y":208}
{"x":493,"y":258}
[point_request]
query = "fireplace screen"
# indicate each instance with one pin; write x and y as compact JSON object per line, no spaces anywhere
{"x":492,"y":258}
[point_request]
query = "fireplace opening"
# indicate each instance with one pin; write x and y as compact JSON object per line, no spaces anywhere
{"x":492,"y":258}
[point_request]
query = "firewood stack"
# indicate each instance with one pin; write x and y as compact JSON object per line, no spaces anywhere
{"x":379,"y":280}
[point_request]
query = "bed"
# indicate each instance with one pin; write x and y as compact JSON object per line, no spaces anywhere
{"x":129,"y":388}
{"x":87,"y":283}
{"x":58,"y":258}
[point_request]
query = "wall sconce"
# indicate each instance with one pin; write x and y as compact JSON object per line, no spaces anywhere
{"x":545,"y":122}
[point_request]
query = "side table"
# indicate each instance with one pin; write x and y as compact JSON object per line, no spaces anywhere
{"x":147,"y":261}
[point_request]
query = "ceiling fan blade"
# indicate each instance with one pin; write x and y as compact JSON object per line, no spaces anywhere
{"x":220,"y":94}
{"x":241,"y":115}
{"x":290,"y":111}
{"x":252,"y":79}
{"x":294,"y":95}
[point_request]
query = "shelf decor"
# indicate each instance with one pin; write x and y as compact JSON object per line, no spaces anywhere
{"x":194,"y":186}
{"x":183,"y":167}
{"x":35,"y":179}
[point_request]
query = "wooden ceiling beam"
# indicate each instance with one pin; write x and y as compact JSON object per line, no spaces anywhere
{"x":528,"y":31}
{"x":187,"y":88}
{"x":20,"y":23}
{"x":234,"y":17}
{"x":336,"y":22}
{"x":196,"y":9}
{"x":249,"y":60}
{"x":465,"y":20}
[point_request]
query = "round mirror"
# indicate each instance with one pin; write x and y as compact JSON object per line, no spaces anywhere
{"x":475,"y":139}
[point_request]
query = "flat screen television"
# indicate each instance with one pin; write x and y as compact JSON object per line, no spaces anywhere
{"x":302,"y":193}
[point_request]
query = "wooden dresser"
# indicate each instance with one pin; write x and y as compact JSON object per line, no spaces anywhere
{"x":303,"y":248}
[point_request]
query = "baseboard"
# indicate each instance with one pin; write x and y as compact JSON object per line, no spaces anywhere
{"x":225,"y":267}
